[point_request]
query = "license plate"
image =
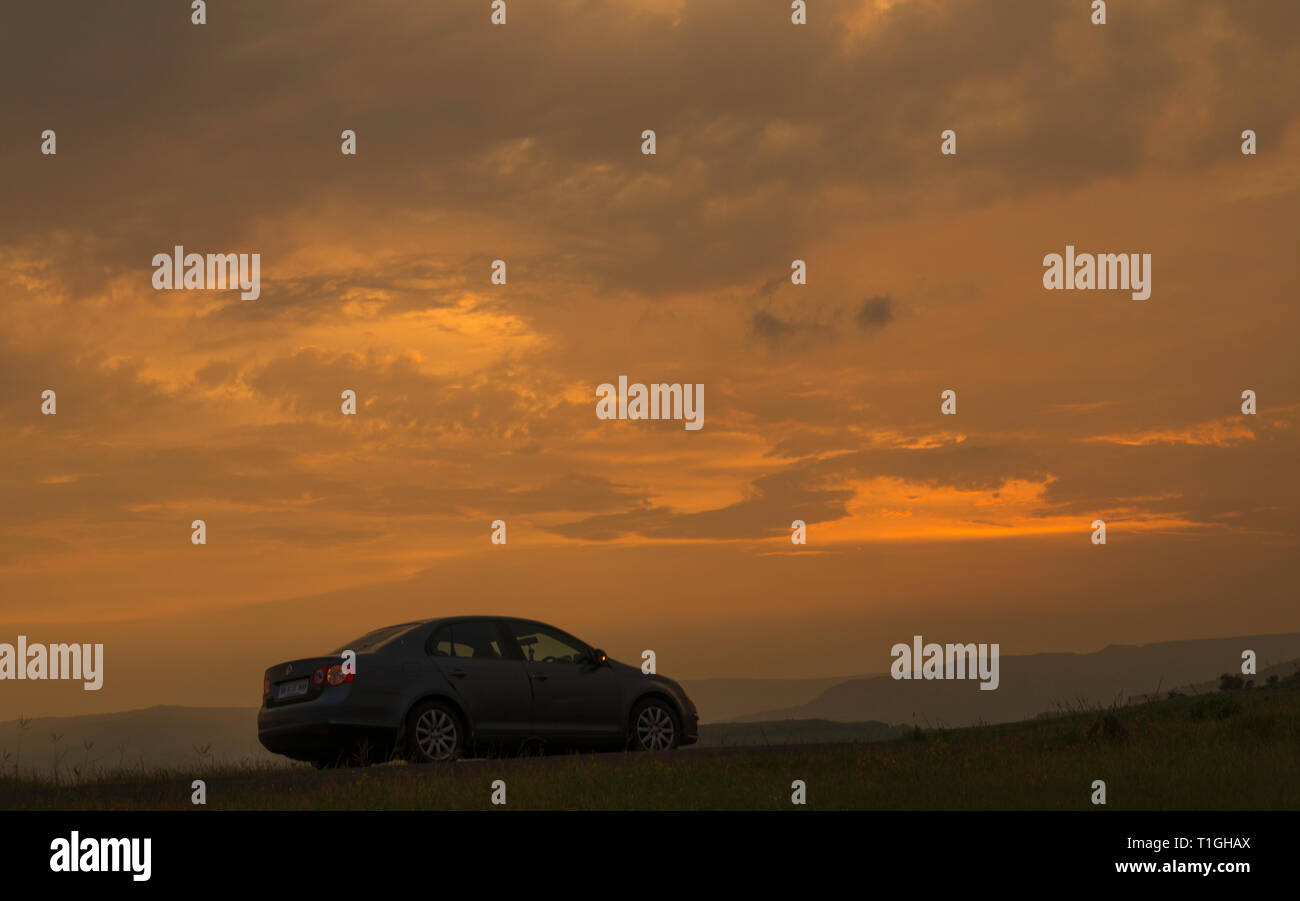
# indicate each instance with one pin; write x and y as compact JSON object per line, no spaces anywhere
{"x":291,"y":689}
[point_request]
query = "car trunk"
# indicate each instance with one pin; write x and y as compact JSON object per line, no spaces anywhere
{"x":293,"y":682}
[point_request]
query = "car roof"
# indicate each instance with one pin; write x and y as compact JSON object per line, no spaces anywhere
{"x":448,"y":619}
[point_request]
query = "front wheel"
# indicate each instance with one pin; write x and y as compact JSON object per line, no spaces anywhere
{"x":655,"y":726}
{"x":433,"y":733}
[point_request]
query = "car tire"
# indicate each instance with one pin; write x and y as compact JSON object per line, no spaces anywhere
{"x":654,"y":726}
{"x":434,"y":733}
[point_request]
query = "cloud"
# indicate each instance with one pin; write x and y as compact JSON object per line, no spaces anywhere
{"x":540,"y":121}
{"x":476,"y":400}
{"x":1221,"y":432}
{"x":875,"y":313}
{"x":773,"y":502}
{"x":779,"y":333}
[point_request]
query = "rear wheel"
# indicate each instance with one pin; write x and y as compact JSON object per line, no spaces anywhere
{"x":655,"y":726}
{"x":433,"y":733}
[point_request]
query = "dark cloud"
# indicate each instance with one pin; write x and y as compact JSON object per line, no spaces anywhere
{"x":215,"y":131}
{"x":875,"y":313}
{"x":778,"y":333}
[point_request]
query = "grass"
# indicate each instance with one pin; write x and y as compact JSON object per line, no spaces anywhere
{"x":1231,"y":750}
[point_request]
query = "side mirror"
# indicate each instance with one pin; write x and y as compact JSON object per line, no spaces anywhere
{"x":598,"y":658}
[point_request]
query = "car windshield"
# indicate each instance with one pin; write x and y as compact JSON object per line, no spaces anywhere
{"x":372,"y":640}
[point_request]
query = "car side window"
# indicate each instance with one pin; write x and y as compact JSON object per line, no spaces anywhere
{"x":541,"y":644}
{"x":440,"y":645}
{"x":479,"y":640}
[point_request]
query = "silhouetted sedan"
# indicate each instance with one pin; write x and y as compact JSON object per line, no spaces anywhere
{"x":442,"y":688}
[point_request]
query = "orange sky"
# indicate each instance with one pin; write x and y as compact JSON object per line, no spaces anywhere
{"x":477,"y":402}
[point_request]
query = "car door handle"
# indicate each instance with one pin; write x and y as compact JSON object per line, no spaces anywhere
{"x":540,"y":677}
{"x":458,"y":673}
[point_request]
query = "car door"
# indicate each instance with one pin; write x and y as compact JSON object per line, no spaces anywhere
{"x":572,"y":698}
{"x":491,"y":684}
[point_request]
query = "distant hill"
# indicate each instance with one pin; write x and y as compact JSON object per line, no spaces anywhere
{"x":719,"y":700}
{"x":1039,"y":683}
{"x":1281,"y":671}
{"x":150,"y":738}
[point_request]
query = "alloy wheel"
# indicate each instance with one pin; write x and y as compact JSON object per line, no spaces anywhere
{"x":654,"y":729}
{"x":435,"y":734}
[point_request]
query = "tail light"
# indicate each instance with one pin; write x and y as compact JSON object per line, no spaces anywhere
{"x":318,"y":677}
{"x":336,"y":676}
{"x":266,"y":689}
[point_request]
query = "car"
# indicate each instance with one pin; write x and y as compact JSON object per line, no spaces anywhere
{"x":440,"y":689}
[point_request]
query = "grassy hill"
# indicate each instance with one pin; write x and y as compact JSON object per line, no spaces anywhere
{"x":793,"y":732}
{"x":1227,"y":750}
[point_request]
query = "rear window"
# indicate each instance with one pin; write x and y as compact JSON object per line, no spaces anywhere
{"x":372,"y":641}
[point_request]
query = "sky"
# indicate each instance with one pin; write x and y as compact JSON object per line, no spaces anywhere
{"x":476,"y":402}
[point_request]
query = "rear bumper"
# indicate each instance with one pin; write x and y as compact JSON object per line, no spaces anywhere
{"x":311,"y":730}
{"x":317,"y":741}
